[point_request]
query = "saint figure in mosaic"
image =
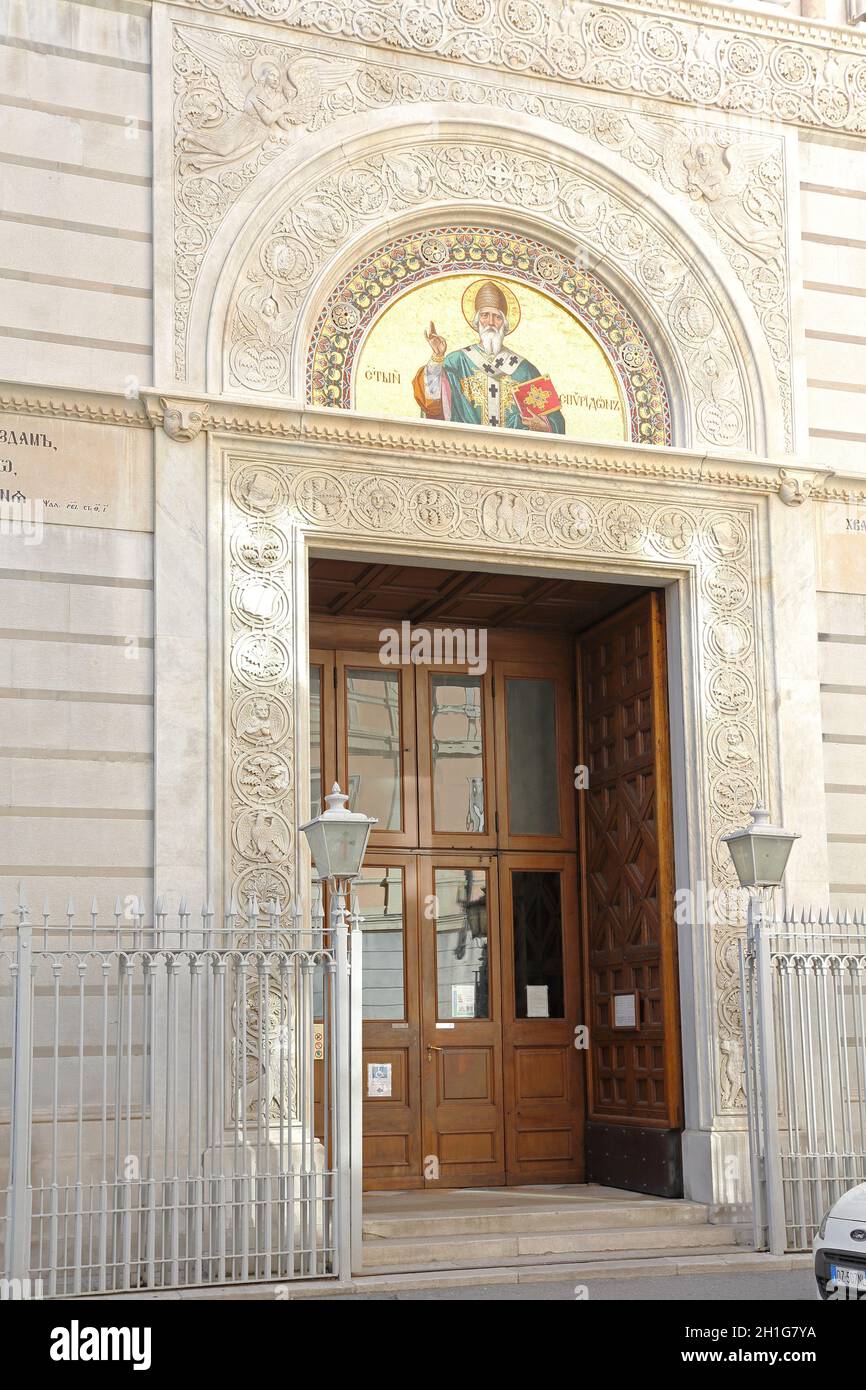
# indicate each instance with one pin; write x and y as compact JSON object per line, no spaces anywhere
{"x":485,"y":383}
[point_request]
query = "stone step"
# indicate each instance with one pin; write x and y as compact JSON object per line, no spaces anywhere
{"x":450,"y":1251}
{"x":538,"y":1220}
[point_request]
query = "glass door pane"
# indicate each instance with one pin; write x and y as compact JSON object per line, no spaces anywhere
{"x":374,"y":739}
{"x":533,"y":770}
{"x":457,"y":753}
{"x":462,"y":944}
{"x":536,"y":905}
{"x":380,"y":898}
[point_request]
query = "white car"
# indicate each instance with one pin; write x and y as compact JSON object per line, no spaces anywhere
{"x":840,"y":1248}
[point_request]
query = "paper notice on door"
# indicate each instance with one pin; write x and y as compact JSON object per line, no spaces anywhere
{"x":462,"y":1001}
{"x":625,"y":1010}
{"x":378,"y":1078}
{"x":536,"y":1002}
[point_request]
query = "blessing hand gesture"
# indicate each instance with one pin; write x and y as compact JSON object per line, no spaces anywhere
{"x":438,"y":345}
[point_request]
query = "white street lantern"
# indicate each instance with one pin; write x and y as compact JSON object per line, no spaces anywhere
{"x":760,"y":851}
{"x":338,"y":838}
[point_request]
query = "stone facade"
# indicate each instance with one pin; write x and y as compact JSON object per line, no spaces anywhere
{"x":181,"y":230}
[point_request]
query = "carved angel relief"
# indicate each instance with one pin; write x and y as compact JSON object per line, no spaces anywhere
{"x":721,"y":178}
{"x":250,"y":96}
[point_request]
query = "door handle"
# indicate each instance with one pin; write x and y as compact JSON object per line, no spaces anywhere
{"x":431,"y":1048}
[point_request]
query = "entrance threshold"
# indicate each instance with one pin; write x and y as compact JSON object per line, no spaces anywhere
{"x":484,"y":1228}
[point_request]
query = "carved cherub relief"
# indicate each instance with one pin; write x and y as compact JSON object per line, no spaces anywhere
{"x":258,"y":98}
{"x":720,"y":177}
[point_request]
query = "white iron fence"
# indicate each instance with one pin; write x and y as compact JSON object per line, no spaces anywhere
{"x":803,"y":993}
{"x":179,"y":1099}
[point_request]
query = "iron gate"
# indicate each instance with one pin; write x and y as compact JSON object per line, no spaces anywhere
{"x":803,"y":994}
{"x":180,"y":1099}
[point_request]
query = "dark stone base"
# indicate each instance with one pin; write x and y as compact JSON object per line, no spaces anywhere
{"x":638,"y":1160}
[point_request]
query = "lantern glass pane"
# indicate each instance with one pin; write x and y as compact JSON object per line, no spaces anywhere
{"x":771,"y":856}
{"x":741,"y":853}
{"x":346,"y":844}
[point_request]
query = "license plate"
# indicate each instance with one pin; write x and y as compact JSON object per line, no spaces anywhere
{"x":848,"y":1278}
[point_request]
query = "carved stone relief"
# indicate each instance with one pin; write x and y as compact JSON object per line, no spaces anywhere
{"x":515,"y":521}
{"x":782,"y":70}
{"x":238,"y":101}
{"x":292,"y":253}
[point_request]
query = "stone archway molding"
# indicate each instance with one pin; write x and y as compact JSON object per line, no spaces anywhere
{"x":333,"y":207}
{"x":313,"y":225}
{"x":281,"y":503}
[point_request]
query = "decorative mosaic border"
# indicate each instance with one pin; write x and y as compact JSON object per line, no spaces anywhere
{"x":387,"y":272}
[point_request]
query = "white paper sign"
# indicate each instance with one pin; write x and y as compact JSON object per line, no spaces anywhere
{"x":462,"y":1001}
{"x":378,"y":1078}
{"x":536,"y":1002}
{"x":624,"y":1015}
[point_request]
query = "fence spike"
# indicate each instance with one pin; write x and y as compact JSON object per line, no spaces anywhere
{"x":207,"y":907}
{"x":182,"y":909}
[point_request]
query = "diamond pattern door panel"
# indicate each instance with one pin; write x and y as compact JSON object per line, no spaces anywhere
{"x":634,"y":1061}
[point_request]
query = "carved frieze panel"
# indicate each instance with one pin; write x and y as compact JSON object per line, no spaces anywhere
{"x":260,"y":680}
{"x":755,"y":64}
{"x":241,"y":101}
{"x":457,"y":515}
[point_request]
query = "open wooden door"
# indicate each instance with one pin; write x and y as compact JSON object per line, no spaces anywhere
{"x":461,"y":1022}
{"x":634,"y":1066}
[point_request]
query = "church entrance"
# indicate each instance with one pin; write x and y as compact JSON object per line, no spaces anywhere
{"x":509,"y":733}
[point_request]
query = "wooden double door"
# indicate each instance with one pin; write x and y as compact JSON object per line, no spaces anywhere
{"x":479,"y":1083}
{"x":471,"y":977}
{"x":520,"y":1003}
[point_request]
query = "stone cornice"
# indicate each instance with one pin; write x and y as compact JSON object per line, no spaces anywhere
{"x":743,"y":61}
{"x":346,"y":436}
{"x":343,"y":436}
{"x":73,"y":403}
{"x":759,"y":20}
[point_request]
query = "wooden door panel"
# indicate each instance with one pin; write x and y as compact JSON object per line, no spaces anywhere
{"x":461,"y":1056}
{"x":391,"y":1026}
{"x":389,"y":1121}
{"x":627,"y":849}
{"x":466,"y":1073}
{"x":543,"y":1083}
